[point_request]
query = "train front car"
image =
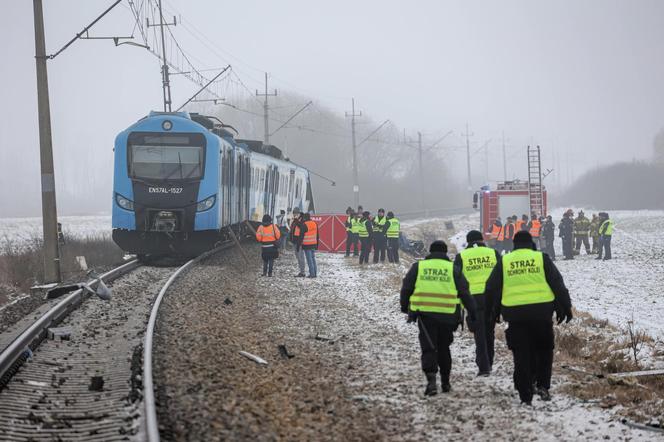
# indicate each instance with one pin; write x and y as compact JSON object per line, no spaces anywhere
{"x":166,"y":186}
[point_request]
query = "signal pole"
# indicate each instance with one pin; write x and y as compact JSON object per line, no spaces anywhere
{"x":419,"y":155}
{"x":49,"y":208}
{"x":356,"y":184}
{"x":468,"y":135}
{"x":166,"y":84}
{"x":266,"y":137}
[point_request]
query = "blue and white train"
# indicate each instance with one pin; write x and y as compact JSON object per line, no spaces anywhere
{"x":181,"y":181}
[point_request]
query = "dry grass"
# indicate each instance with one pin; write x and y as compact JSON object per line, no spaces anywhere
{"x":21,"y":265}
{"x":592,"y":349}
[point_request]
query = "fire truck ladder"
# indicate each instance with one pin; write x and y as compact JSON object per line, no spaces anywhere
{"x":535,"y":190}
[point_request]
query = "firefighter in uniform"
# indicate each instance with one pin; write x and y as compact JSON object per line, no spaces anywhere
{"x":268,"y":235}
{"x":581,"y":231}
{"x":392,"y":231}
{"x":476,"y":262}
{"x":535,"y":227}
{"x":379,"y":237}
{"x":496,"y":227}
{"x":364,"y":234}
{"x":431,"y":294}
{"x":594,"y":233}
{"x":526,"y":288}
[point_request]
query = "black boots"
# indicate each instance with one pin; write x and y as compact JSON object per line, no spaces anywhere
{"x":544,"y":394}
{"x":431,"y":389}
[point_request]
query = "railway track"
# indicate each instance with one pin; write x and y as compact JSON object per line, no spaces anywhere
{"x":91,"y":384}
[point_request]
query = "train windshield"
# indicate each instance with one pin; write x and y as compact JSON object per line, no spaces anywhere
{"x":166,"y":157}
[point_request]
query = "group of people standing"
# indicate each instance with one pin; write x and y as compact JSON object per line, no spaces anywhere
{"x":578,"y":231}
{"x":574,"y":233}
{"x":301,"y":231}
{"x":380,"y":232}
{"x":523,"y":287}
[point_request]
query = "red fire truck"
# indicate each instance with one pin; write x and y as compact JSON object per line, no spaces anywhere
{"x":513,"y":197}
{"x":507,"y":199}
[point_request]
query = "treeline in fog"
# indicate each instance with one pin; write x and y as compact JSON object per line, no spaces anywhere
{"x":320,"y":140}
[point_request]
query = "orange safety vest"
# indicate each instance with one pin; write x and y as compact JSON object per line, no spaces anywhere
{"x":535,"y":228}
{"x":501,"y":234}
{"x":311,"y":235}
{"x":519,"y":226}
{"x":267,"y":234}
{"x":495,"y":231}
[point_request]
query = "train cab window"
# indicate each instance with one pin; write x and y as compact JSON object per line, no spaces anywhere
{"x":166,"y":156}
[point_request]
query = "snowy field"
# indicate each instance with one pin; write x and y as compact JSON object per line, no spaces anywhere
{"x":630,"y":286}
{"x":23,"y":230}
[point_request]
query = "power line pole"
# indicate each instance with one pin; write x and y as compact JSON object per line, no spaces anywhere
{"x":49,"y":208}
{"x":419,"y":155}
{"x":356,"y":184}
{"x":468,"y":135}
{"x":165,"y":80}
{"x":504,"y":159}
{"x":266,"y":124}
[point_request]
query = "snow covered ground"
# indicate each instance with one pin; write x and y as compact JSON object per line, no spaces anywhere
{"x":629,"y":287}
{"x":23,"y":230}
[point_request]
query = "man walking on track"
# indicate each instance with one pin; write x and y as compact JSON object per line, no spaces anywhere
{"x":476,"y":262}
{"x":431,"y":295}
{"x":526,"y":288}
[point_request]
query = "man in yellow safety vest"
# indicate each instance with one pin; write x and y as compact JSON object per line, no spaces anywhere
{"x":476,"y":262}
{"x":392,"y":231}
{"x":431,"y":294}
{"x":525,"y":287}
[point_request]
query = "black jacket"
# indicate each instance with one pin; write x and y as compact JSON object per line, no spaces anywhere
{"x":531,"y":312}
{"x":566,"y":227}
{"x":408,"y":287}
{"x":548,"y":230}
{"x":458,"y":266}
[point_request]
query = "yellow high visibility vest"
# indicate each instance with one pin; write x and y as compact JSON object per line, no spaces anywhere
{"x":524,"y":281}
{"x":478,"y":262}
{"x":435,"y":289}
{"x":362,"y":229}
{"x":354,"y":225}
{"x":394,"y":229}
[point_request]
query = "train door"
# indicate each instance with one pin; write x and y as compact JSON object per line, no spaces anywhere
{"x":275,"y":190}
{"x":240,"y":186}
{"x":266,"y":190}
{"x":291,"y":187}
{"x":226,"y":186}
{"x":247,"y":188}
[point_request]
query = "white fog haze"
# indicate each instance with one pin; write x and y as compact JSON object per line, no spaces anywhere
{"x":581,"y":79}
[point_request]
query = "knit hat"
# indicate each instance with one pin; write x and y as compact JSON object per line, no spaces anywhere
{"x":438,"y":246}
{"x":523,"y":237}
{"x":474,"y":236}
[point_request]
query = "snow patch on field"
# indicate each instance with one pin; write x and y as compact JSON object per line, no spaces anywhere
{"x":23,"y":230}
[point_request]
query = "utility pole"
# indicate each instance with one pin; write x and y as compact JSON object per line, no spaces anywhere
{"x":504,"y":159}
{"x":356,"y":184}
{"x":266,"y":124}
{"x":419,"y":155}
{"x":166,"y":84}
{"x":49,"y":208}
{"x":468,"y":135}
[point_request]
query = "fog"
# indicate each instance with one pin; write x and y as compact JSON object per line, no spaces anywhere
{"x":581,"y":79}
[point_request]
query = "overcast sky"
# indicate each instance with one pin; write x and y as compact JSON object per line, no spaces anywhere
{"x":583,"y":78}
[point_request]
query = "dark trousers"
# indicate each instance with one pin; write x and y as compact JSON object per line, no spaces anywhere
{"x":352,"y":240}
{"x":550,"y":249}
{"x":500,"y":246}
{"x":484,"y":341}
{"x":605,"y":246}
{"x":268,"y":264}
{"x":582,"y":239}
{"x":436,"y":354}
{"x":380,"y":247}
{"x":531,"y":343}
{"x":595,"y":244}
{"x":393,"y":250}
{"x":568,"y":250}
{"x":508,"y":245}
{"x":365,"y":244}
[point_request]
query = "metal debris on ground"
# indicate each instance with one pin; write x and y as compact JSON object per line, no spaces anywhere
{"x":60,"y":333}
{"x":254,"y":358}
{"x":96,"y":383}
{"x":636,"y":374}
{"x":228,"y":301}
{"x":324,"y":338}
{"x":283,"y":351}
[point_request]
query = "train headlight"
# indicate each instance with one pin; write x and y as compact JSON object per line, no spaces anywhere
{"x":167,"y":125}
{"x":124,"y":202}
{"x":206,"y":204}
